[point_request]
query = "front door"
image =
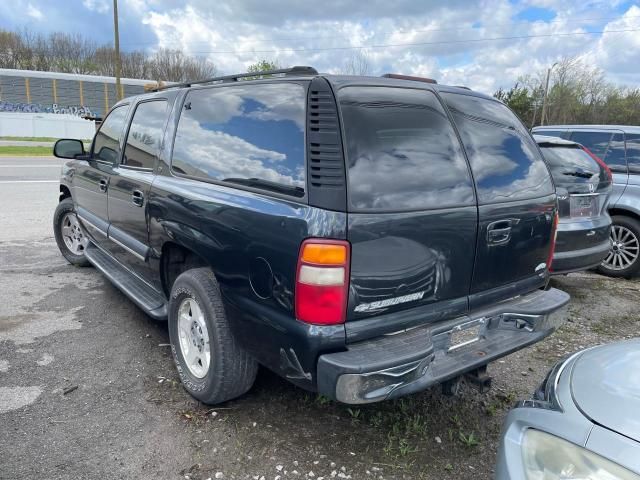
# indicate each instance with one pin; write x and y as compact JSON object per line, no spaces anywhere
{"x":129,"y":189}
{"x":91,"y":178}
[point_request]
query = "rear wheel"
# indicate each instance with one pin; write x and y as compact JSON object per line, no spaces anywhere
{"x":71,"y":238}
{"x":623,"y":260}
{"x":212,"y":366}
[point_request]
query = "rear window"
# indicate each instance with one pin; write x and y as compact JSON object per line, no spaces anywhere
{"x":505,"y":160}
{"x":402,"y":152}
{"x":570,"y":163}
{"x":597,"y":142}
{"x":249,"y":135}
{"x":633,"y":152}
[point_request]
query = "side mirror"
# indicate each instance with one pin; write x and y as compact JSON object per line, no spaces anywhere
{"x":68,"y":148}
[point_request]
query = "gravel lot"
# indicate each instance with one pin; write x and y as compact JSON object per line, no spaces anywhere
{"x":88,"y":388}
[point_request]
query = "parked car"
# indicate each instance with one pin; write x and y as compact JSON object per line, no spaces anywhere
{"x":583,"y":184}
{"x":582,"y":423}
{"x":619,"y":147}
{"x":326,"y":227}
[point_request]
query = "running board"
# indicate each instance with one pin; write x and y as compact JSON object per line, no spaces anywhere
{"x":144,"y":296}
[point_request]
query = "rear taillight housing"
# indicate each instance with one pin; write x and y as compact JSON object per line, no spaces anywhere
{"x":600,"y":162}
{"x":554,"y":236}
{"x":322,"y":281}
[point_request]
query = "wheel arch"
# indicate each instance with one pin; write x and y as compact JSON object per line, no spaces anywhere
{"x":624,"y":212}
{"x":174,"y":260}
{"x":65,"y":192}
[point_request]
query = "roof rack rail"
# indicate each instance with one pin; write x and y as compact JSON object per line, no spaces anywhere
{"x":462,"y":86}
{"x":297,"y":70}
{"x":409,"y":77}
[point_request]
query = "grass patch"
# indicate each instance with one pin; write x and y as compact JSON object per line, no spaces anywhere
{"x":30,"y":139}
{"x":26,"y":151}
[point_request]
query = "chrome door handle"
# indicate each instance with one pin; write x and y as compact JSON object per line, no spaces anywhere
{"x":137,"y":197}
{"x":103,"y":185}
{"x":499,"y":233}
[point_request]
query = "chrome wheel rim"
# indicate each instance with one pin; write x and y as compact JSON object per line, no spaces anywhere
{"x":625,"y":248}
{"x":73,"y":235}
{"x":194,"y":337}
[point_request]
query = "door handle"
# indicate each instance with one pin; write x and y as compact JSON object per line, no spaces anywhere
{"x":137,"y":197}
{"x":103,"y":185}
{"x":499,"y":233}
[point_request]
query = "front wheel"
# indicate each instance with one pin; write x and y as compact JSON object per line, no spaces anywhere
{"x":212,"y":366}
{"x":71,"y":238}
{"x":623,"y":260}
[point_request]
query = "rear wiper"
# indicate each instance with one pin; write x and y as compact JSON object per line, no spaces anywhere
{"x":579,"y":173}
{"x":267,"y":185}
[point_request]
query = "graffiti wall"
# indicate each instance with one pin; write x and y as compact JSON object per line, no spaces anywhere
{"x":80,"y":110}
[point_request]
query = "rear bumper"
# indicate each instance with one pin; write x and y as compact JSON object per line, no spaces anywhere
{"x":395,"y":365}
{"x":583,"y":259}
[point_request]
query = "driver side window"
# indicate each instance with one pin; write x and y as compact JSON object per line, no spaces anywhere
{"x":106,"y":146}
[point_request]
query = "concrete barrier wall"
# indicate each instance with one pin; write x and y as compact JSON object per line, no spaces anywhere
{"x":45,"y":125}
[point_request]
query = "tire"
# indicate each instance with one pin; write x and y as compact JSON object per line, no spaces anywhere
{"x":626,"y":232}
{"x":71,"y":246}
{"x":230,"y":371}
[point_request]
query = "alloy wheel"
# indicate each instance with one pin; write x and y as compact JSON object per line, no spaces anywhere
{"x":625,"y":248}
{"x":194,"y":337}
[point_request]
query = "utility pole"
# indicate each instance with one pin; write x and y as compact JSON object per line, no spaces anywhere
{"x":546,"y":93}
{"x":117,"y":48}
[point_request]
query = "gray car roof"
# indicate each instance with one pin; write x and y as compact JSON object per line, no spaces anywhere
{"x":624,"y":128}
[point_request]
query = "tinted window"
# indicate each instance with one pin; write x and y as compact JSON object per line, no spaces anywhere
{"x":106,"y":145}
{"x":245,"y":134}
{"x":615,"y":154}
{"x":572,"y":165}
{"x":633,"y":152}
{"x":145,"y":134}
{"x":597,"y":142}
{"x":402,"y":151}
{"x":505,"y":160}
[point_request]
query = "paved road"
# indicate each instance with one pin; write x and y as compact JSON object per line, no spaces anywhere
{"x":23,"y":143}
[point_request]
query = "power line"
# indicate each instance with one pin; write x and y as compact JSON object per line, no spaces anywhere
{"x":416,"y":44}
{"x":427,"y":30}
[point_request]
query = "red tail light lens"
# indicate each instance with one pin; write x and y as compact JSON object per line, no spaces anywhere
{"x":322,"y":281}
{"x":554,"y":235}
{"x":600,"y":162}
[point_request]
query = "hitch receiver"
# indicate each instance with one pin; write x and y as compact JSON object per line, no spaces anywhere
{"x":479,"y":378}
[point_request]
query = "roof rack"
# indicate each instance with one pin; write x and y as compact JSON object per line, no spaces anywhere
{"x":297,"y":70}
{"x":462,"y":86}
{"x":409,"y":77}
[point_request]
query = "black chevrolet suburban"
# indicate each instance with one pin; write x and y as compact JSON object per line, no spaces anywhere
{"x":363,"y":237}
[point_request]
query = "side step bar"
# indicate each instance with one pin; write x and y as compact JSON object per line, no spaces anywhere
{"x":146,"y":297}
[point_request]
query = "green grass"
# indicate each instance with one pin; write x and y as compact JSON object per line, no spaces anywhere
{"x":36,"y":139}
{"x":26,"y":151}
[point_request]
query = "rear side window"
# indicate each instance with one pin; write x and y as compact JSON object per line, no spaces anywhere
{"x":106,"y":146}
{"x":597,"y":142}
{"x":145,"y":134}
{"x":251,"y":135}
{"x":505,"y":161}
{"x":615,"y":154}
{"x":633,"y":152}
{"x":402,"y":151}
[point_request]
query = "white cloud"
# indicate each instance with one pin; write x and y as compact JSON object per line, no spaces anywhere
{"x":34,"y":12}
{"x":100,"y":6}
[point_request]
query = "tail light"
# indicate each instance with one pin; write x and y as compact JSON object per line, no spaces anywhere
{"x":601,"y":163}
{"x":554,"y":236}
{"x":322,"y":281}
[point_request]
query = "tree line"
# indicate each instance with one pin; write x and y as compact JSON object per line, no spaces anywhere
{"x":73,"y":53}
{"x":578,"y":94}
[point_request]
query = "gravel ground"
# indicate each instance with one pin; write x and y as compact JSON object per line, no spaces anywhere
{"x":88,"y":388}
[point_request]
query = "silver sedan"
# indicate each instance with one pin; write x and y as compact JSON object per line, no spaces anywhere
{"x":582,"y":423}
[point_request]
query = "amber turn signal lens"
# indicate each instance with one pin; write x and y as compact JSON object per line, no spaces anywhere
{"x":324,"y":254}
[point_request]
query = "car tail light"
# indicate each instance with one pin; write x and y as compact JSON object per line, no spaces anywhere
{"x":554,"y":236}
{"x":600,"y":162}
{"x":322,"y":281}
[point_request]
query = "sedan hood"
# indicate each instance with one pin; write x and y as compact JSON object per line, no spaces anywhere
{"x":605,"y":385}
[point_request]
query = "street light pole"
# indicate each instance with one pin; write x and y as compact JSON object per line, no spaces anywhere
{"x":546,"y":93}
{"x":117,"y":48}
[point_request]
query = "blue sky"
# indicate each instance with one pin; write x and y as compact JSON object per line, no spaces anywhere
{"x":484,"y":44}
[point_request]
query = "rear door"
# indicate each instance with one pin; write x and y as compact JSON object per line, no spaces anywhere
{"x":412,"y":211}
{"x":129,"y":188}
{"x":516,"y":199}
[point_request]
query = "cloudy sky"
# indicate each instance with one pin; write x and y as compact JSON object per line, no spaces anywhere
{"x":484,"y":44}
